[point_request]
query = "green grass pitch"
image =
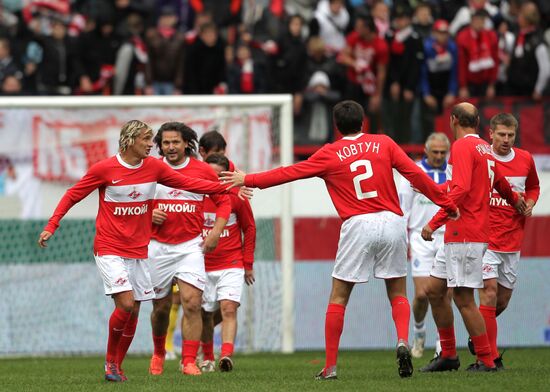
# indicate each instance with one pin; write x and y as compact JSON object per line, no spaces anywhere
{"x":527,"y":370}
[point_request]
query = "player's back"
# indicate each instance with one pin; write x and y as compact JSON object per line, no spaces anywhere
{"x":359,"y":175}
{"x":472,"y":169}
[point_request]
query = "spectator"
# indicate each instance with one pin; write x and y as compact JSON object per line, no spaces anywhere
{"x":330,"y":23}
{"x":530,"y":65}
{"x":406,"y":55}
{"x":366,"y":57}
{"x":245,"y":76}
{"x":380,"y":11}
{"x":319,"y":60}
{"x":505,"y":48}
{"x":131,"y":60}
{"x":464,"y":15}
{"x":439,"y":79}
{"x":55,"y":61}
{"x":225,"y":14}
{"x":289,"y":61}
{"x":10,"y":74}
{"x":165,"y":49}
{"x":98,"y":50}
{"x":477,"y":58}
{"x":313,"y":125}
{"x":205,"y":66}
{"x":423,"y":20}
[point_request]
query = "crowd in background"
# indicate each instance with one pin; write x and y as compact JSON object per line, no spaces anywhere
{"x":403,"y":60}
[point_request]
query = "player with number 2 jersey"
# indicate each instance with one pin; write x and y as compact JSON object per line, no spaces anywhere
{"x":358,"y":172}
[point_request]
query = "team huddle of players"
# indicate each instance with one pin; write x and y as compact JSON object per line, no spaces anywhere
{"x":172,"y":219}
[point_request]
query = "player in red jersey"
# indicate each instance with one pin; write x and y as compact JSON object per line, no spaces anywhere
{"x":212,"y":142}
{"x":358,"y":173}
{"x":126,"y":184}
{"x":177,"y":249}
{"x":227,"y":268}
{"x":472,"y":175}
{"x":500,"y":262}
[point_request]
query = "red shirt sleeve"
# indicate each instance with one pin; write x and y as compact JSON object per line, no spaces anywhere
{"x":248,"y":227}
{"x":494,"y":54}
{"x":92,"y":180}
{"x":312,"y":167}
{"x":222,"y":201}
{"x":419,"y":179}
{"x":382,"y":53}
{"x":532,"y":186}
{"x":173,"y":179}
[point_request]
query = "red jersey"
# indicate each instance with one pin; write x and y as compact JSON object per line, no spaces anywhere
{"x":477,"y":57}
{"x":368,"y":55}
{"x":472,"y":177}
{"x":357,"y":171}
{"x":123,"y":223}
{"x":184,"y":208}
{"x":238,"y":239}
{"x":506,"y":224}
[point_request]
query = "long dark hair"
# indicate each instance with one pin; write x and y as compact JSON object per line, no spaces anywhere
{"x":187,"y":134}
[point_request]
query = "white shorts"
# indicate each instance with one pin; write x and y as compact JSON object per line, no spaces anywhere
{"x":222,"y":284}
{"x":372,"y":242}
{"x":120,"y":274}
{"x":502,"y":266}
{"x":461,"y":265}
{"x":423,"y":253}
{"x":183,"y":261}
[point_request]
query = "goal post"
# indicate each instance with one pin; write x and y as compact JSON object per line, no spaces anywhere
{"x":31,"y":119}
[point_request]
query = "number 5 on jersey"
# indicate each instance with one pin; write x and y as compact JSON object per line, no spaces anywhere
{"x":360,"y":177}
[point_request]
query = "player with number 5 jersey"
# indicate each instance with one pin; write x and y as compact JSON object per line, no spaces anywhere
{"x":358,"y":172}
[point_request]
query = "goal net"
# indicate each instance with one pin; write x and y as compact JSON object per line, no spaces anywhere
{"x":56,"y":304}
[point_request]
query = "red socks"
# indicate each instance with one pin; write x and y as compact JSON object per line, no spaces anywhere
{"x":126,"y":338}
{"x":483,"y":350}
{"x":334,"y":324}
{"x":227,"y":349}
{"x":448,"y":342}
{"x":117,"y":322}
{"x":489,"y":315}
{"x":208,"y":351}
{"x":401,"y":314}
{"x":189,"y":351}
{"x":159,"y":344}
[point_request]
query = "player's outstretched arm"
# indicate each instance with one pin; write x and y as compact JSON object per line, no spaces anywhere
{"x":174,"y":179}
{"x":532,"y":188}
{"x":248,"y":227}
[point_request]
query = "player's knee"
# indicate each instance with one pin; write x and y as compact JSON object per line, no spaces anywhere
{"x":192,"y":305}
{"x":161,"y":308}
{"x":489,"y":294}
{"x":229,"y":311}
{"x":421,"y":296}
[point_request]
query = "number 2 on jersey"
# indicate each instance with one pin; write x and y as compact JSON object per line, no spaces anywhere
{"x":360,"y":177}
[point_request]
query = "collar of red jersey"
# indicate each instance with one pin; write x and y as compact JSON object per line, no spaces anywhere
{"x":472,"y":134}
{"x":504,"y":158}
{"x":127,"y":165}
{"x":353,"y":137}
{"x":181,"y":166}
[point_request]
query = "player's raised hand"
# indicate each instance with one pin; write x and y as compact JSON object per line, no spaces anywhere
{"x":43,"y":238}
{"x":249,"y":277}
{"x":427,"y":233}
{"x":159,"y":216}
{"x":235,"y":178}
{"x":245,"y":193}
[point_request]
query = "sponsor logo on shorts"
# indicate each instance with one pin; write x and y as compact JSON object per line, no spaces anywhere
{"x":488,"y":268}
{"x":121,"y":281}
{"x":157,"y":290}
{"x":147,"y":292}
{"x":416,"y":262}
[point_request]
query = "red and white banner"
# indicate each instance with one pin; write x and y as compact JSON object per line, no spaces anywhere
{"x":64,"y":143}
